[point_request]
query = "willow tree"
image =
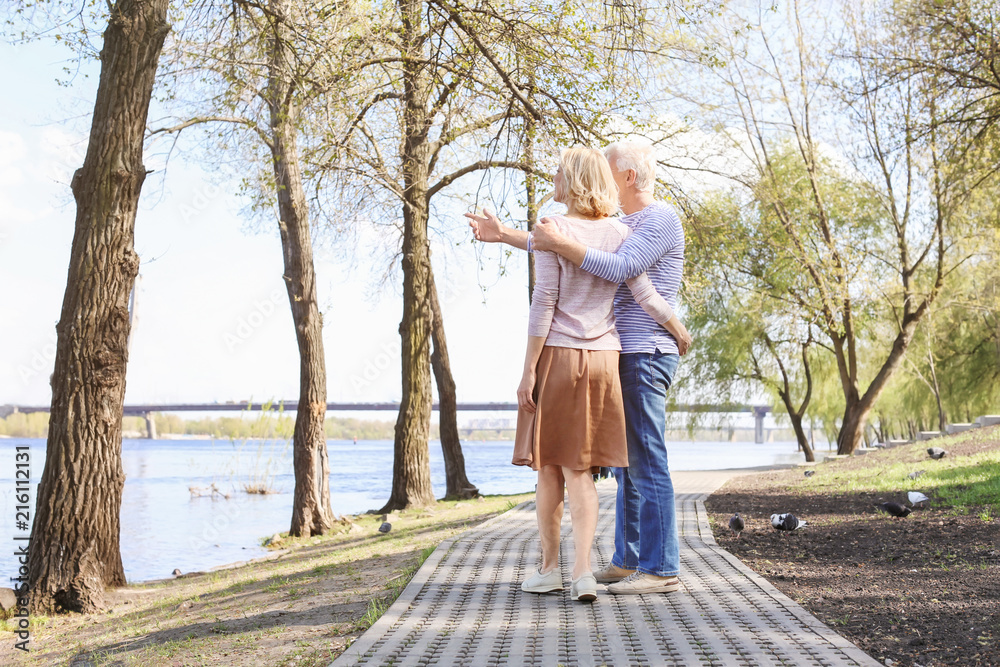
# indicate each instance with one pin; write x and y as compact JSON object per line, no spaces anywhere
{"x":74,"y":554}
{"x":957,"y":43}
{"x":952,"y":373}
{"x":873,"y":250}
{"x":738,"y":309}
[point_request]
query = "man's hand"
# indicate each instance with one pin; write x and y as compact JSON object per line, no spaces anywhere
{"x":682,"y":337}
{"x":546,"y":235}
{"x":486,"y":227}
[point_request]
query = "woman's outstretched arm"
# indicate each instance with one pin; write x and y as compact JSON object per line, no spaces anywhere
{"x":488,"y":229}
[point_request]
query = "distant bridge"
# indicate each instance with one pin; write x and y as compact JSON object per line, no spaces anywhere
{"x":146,"y":411}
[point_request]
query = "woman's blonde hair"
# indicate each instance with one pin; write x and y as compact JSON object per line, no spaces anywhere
{"x":587,"y":182}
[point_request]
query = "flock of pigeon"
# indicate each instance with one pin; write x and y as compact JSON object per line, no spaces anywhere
{"x":789,"y":522}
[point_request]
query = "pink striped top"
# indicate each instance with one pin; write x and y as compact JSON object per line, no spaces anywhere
{"x":573,"y":308}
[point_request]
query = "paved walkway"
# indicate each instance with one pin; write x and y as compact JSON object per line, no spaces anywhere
{"x":465,"y":606}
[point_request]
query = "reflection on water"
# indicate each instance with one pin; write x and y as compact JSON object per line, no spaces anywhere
{"x":164,"y":527}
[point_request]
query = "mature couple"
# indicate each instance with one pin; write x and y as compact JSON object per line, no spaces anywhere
{"x":603,"y":346}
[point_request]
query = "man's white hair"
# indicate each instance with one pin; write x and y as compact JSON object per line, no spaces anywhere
{"x":637,"y":156}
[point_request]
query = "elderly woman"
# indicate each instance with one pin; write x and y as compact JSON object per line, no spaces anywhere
{"x":571,"y":420}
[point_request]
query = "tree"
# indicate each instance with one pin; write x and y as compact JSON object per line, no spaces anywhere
{"x":311,"y":511}
{"x":872,"y":240}
{"x":74,"y":552}
{"x":957,"y":42}
{"x":447,"y":87}
{"x":265,"y":64}
{"x":954,"y":372}
{"x":457,"y":484}
{"x":738,"y":310}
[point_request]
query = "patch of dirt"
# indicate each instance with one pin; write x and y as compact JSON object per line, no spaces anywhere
{"x":923,"y":590}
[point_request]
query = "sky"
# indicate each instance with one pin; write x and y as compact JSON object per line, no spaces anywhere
{"x":212,"y":315}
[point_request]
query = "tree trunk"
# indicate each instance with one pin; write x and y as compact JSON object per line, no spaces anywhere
{"x":531,"y":192}
{"x":936,"y":388}
{"x":457,"y":486}
{"x":311,"y":511}
{"x":857,"y":409}
{"x":795,"y":416}
{"x":852,"y":428}
{"x":800,"y":435}
{"x":411,"y":473}
{"x":74,"y":553}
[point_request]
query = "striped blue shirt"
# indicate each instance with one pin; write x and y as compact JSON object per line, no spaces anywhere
{"x":656,"y":246}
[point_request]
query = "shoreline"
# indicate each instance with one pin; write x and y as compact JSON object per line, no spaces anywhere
{"x":355,"y":517}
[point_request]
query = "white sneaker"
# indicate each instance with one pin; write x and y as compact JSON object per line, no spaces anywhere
{"x":584,"y":588}
{"x":543,"y":583}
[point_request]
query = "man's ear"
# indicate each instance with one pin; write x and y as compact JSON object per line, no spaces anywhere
{"x":630,"y":177}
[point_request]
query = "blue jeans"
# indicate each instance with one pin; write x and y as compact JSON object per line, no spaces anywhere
{"x":645,"y":517}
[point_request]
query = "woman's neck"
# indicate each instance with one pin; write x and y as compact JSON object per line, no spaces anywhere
{"x":573,"y":212}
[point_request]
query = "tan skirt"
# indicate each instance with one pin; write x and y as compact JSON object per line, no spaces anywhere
{"x":579,"y":418}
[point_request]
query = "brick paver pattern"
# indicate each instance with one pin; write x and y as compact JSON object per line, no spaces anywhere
{"x":464,"y":606}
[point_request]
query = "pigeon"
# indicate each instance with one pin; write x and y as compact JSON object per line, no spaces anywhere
{"x":916,"y":473}
{"x":736,"y":524}
{"x":809,"y":473}
{"x":385,"y":527}
{"x":895,"y":509}
{"x":786,"y":521}
{"x":917,"y":499}
{"x":936,"y":452}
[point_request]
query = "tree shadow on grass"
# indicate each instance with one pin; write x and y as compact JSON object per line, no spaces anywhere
{"x":273,"y":586}
{"x":229,"y":607}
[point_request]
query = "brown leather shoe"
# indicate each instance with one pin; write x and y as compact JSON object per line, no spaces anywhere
{"x":640,"y":583}
{"x":611,"y":574}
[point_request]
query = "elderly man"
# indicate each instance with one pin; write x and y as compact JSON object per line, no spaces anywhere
{"x":647,"y":551}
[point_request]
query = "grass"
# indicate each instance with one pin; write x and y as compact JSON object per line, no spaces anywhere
{"x":376,"y":607}
{"x":259,"y":488}
{"x":963,"y":482}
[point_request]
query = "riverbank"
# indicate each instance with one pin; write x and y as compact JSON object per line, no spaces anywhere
{"x":302,"y":605}
{"x":919,"y":590}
